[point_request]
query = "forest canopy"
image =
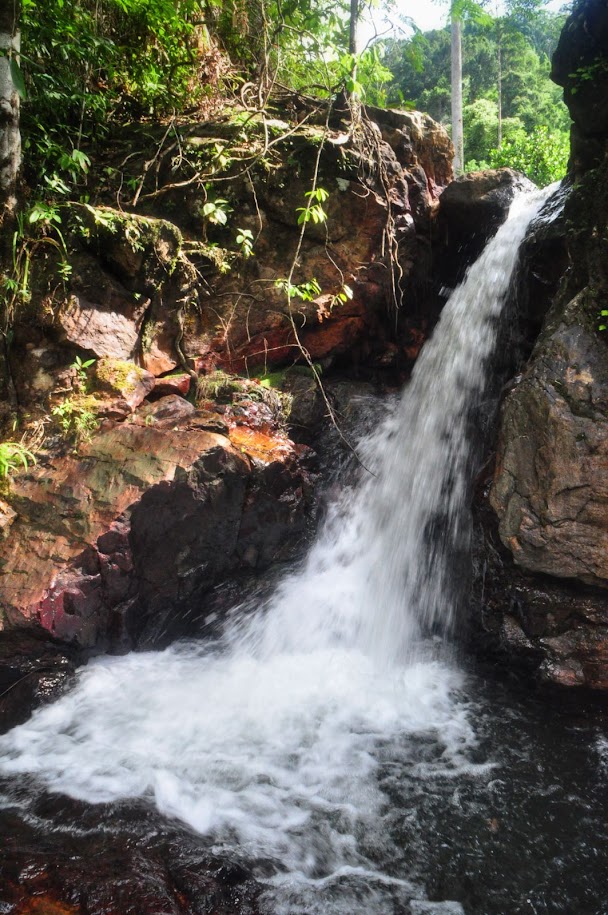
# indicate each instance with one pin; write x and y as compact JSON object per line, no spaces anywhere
{"x":88,"y":64}
{"x":505,"y":76}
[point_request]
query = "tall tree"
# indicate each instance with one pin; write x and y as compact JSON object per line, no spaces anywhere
{"x":457,"y":122}
{"x":353,"y":23}
{"x":10,"y":137}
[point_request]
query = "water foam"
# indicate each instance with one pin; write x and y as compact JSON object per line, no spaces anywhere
{"x":270,"y":741}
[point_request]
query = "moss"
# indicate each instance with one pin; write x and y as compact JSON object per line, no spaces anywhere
{"x":134,"y":244}
{"x":220,"y":258}
{"x":116,"y":375}
{"x":219,"y":386}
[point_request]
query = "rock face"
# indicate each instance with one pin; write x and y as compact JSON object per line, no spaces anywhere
{"x":146,"y":518}
{"x":542,"y":584}
{"x":550,"y":488}
{"x":106,"y":546}
{"x":471,"y":209}
{"x":579,"y":65}
{"x":181,"y":295}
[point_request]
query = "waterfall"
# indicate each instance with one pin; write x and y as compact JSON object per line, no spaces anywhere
{"x":272,"y":741}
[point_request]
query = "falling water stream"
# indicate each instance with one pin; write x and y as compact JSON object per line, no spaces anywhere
{"x":313,"y":735}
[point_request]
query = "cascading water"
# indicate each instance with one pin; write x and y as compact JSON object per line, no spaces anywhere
{"x":272,"y":741}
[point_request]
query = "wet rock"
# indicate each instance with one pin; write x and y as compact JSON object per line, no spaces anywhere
{"x":471,"y":209}
{"x":149,"y":866}
{"x":33,"y":670}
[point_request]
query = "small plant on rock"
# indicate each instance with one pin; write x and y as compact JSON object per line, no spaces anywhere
{"x":14,"y":456}
{"x":80,"y":368}
{"x":76,"y":418}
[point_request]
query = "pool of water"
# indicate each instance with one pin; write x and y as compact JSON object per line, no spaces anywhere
{"x":512,"y":821}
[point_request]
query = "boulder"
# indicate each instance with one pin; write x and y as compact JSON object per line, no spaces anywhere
{"x":579,"y":65}
{"x":471,"y":209}
{"x":129,"y":382}
{"x":145,"y":519}
{"x":550,"y":488}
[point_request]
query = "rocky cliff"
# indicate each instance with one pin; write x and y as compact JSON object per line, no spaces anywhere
{"x":544,"y":579}
{"x":169,"y":348}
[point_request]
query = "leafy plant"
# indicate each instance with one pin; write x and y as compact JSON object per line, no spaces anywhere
{"x":216,"y":211}
{"x":13,"y":456}
{"x":15,"y":286}
{"x":76,"y":418}
{"x":244,"y":240}
{"x":343,"y":296}
{"x":81,"y":371}
{"x":307,"y":291}
{"x":314,"y":209}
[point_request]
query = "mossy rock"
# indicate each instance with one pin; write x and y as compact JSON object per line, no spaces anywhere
{"x":141,"y":251}
{"x":117,"y":376}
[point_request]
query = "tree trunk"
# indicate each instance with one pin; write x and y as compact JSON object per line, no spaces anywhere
{"x":457,"y":128}
{"x":354,"y":17}
{"x":10,"y":137}
{"x":499,"y":85}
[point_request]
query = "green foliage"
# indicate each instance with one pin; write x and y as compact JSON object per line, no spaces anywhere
{"x":541,"y":155}
{"x":244,"y":240}
{"x":217,"y":211}
{"x":13,"y":456}
{"x":307,"y":291}
{"x":526,"y":36}
{"x":313,"y":211}
{"x":87,"y":63}
{"x":37,"y":228}
{"x":76,"y":418}
{"x":80,"y":368}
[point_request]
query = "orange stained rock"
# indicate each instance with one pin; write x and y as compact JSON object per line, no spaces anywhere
{"x":46,"y":905}
{"x":259,"y":445}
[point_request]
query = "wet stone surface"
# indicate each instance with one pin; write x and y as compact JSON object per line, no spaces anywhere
{"x":32,"y":671}
{"x":61,"y":856}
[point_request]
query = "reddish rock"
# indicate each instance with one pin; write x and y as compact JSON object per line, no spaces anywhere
{"x":141,"y":521}
{"x":166,"y":412}
{"x":418,"y":141}
{"x":106,"y":328}
{"x":173,"y":384}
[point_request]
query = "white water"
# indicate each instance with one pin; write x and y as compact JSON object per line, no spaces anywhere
{"x":271,"y":742}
